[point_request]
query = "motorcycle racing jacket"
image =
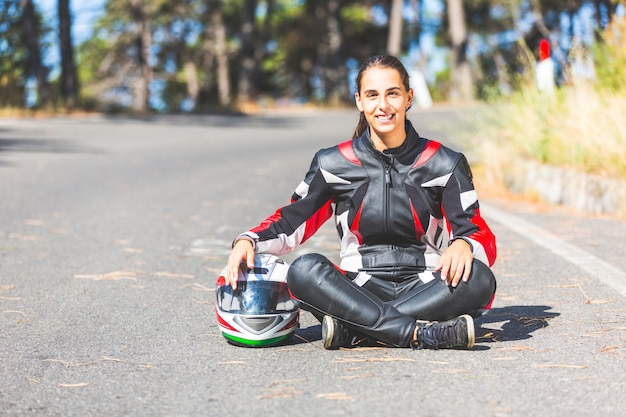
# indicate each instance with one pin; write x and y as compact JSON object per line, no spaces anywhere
{"x":395,"y":211}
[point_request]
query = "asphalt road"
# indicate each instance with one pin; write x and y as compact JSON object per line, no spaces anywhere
{"x":113,"y":231}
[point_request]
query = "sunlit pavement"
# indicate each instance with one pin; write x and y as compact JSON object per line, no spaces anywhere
{"x":113,"y":231}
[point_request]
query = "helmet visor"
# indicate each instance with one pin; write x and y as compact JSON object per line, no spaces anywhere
{"x":255,"y":297}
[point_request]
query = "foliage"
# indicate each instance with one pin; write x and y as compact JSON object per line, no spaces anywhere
{"x":300,"y":48}
{"x":16,"y":73}
{"x":610,"y":58}
{"x":580,"y":126}
{"x":13,"y":59}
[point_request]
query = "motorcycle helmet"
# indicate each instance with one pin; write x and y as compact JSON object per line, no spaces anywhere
{"x":260,"y":312}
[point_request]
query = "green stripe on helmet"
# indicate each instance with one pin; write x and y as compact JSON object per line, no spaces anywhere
{"x":255,"y":343}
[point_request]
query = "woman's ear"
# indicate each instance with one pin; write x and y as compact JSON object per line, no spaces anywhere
{"x":357,"y":100}
{"x":409,"y":99}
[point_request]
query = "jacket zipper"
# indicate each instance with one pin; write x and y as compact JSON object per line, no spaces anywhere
{"x":388,"y":164}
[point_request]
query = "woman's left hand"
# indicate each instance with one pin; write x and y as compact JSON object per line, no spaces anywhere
{"x":455,"y":263}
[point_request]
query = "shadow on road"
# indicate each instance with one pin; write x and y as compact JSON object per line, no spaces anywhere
{"x":227,"y":120}
{"x":519,"y":323}
{"x":306,"y":335}
{"x":43,"y":146}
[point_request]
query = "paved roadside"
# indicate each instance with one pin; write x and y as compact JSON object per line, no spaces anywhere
{"x":114,"y":231}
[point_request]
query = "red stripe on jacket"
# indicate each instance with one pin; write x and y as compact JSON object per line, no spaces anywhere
{"x":347,"y":150}
{"x":430,"y":149}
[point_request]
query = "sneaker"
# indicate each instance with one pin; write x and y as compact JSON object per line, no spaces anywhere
{"x":334,"y":335}
{"x":457,"y":333}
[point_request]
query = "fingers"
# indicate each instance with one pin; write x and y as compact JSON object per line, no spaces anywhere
{"x":455,"y":265}
{"x":242,"y":252}
{"x":458,"y":272}
{"x":232,"y":270}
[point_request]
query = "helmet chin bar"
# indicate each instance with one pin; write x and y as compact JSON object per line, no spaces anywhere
{"x":258,"y":324}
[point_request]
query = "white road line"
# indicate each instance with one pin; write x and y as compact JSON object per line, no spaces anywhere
{"x":596,"y":267}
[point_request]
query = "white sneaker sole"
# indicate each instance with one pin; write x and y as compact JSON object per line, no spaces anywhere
{"x":328,"y":332}
{"x":471,"y":332}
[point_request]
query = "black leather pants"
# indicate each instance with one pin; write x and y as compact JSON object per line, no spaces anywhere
{"x":385,"y":310}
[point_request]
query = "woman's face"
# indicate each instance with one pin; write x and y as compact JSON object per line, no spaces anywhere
{"x":384,"y":101}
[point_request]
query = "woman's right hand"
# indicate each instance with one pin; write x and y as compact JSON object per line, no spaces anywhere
{"x":243,"y":252}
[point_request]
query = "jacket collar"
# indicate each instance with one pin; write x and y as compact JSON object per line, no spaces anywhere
{"x":405,"y":153}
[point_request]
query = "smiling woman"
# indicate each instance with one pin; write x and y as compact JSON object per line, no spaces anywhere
{"x":414,"y":249}
{"x":383,"y":98}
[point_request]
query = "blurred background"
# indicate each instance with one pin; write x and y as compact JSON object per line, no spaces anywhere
{"x":549,"y":72}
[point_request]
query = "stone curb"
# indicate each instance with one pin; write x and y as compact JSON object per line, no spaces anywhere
{"x":555,"y":185}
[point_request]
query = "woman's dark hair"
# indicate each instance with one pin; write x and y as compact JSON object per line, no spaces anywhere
{"x":381,"y":61}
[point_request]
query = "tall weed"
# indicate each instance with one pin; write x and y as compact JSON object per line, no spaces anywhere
{"x":581,"y":126}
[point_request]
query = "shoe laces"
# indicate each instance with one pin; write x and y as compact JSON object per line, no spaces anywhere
{"x":435,"y":335}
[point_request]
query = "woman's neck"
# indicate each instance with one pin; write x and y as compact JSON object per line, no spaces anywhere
{"x":394,"y":140}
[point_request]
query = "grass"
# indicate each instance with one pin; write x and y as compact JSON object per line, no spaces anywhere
{"x":579,"y":128}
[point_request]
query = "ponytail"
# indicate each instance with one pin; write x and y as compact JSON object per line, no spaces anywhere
{"x":361,"y":126}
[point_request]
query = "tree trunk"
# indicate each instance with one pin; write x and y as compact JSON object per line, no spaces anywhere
{"x":31,"y":40}
{"x":246,"y":93}
{"x":193,"y":85}
{"x":416,"y":34}
{"x":69,"y":79}
{"x":336,"y":76}
{"x":459,"y":67}
{"x":394,"y":39}
{"x":605,"y":11}
{"x":320,"y":11}
{"x":221,"y":55}
{"x":330,"y":59}
{"x":206,"y":82}
{"x":265,"y":32}
{"x":504,"y":83}
{"x":143,"y":44}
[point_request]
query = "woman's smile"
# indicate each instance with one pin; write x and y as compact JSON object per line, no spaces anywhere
{"x":385,"y":118}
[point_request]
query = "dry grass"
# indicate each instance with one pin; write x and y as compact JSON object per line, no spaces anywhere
{"x":579,"y":128}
